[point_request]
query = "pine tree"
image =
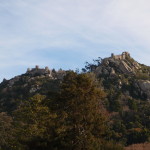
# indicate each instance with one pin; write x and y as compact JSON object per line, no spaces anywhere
{"x":35,"y":124}
{"x":6,"y":131}
{"x":80,"y":107}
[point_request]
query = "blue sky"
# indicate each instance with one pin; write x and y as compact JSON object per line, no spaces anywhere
{"x":66,"y":33}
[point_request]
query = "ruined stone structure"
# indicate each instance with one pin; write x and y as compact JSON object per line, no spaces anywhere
{"x":124,"y":55}
{"x":46,"y":68}
{"x":37,"y":67}
{"x":38,"y":71}
{"x":113,"y":57}
{"x":60,"y":74}
{"x":28,"y":70}
{"x":42,"y":72}
{"x":111,"y":65}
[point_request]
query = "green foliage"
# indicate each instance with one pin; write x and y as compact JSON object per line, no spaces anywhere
{"x":89,"y":67}
{"x":137,"y":135}
{"x":6,"y":132}
{"x":73,"y":120}
{"x":70,"y":114}
{"x":114,"y":100}
{"x":111,"y":145}
{"x":142,"y":76}
{"x":132,"y":104}
{"x":11,"y":96}
{"x":84,"y":124}
{"x":34,"y":123}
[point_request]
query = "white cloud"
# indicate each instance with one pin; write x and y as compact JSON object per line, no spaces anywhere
{"x":95,"y":27}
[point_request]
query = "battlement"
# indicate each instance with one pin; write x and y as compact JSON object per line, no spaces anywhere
{"x":124,"y":55}
{"x":39,"y":71}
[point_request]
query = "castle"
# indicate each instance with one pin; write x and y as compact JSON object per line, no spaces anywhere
{"x":124,"y":55}
{"x":37,"y":71}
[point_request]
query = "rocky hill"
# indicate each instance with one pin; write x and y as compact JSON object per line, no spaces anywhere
{"x":120,"y":73}
{"x":125,"y":82}
{"x":127,"y":86}
{"x":34,"y":81}
{"x":126,"y":74}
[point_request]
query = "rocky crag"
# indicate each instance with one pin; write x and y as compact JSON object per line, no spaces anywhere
{"x":34,"y":81}
{"x":128,"y":73}
{"x":118,"y":72}
{"x":126,"y":84}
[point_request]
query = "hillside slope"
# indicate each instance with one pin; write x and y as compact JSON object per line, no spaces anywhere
{"x":34,"y":81}
{"x":125,"y":82}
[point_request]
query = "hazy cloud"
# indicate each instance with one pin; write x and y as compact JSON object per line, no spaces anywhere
{"x":66,"y":33}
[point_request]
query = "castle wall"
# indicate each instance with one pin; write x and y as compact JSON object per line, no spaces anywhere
{"x":120,"y":57}
{"x":39,"y":71}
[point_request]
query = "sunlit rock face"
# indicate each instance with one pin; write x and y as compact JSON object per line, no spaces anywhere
{"x":117,"y":64}
{"x":144,"y":87}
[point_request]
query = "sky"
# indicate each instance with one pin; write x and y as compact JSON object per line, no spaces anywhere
{"x":67,"y":33}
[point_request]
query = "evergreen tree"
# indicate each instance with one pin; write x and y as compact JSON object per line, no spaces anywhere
{"x":35,"y":124}
{"x":80,"y":110}
{"x":6,"y":131}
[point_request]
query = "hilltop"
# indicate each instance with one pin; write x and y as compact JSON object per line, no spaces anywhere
{"x":123,"y":73}
{"x":124,"y":81}
{"x":35,"y":80}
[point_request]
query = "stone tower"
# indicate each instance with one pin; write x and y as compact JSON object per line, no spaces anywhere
{"x":124,"y":55}
{"x":112,"y":55}
{"x":37,"y":67}
{"x":28,"y":70}
{"x":46,"y":68}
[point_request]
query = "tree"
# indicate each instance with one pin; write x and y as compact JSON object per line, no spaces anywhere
{"x":35,"y":124}
{"x":6,"y":131}
{"x":80,"y":109}
{"x":73,"y":120}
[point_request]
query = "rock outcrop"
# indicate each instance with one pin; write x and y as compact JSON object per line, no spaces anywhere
{"x":117,"y":64}
{"x":144,"y":88}
{"x":123,"y":72}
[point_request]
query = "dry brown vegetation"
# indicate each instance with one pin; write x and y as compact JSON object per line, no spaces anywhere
{"x":143,"y":146}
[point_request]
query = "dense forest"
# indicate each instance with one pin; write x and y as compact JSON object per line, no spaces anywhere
{"x":103,"y":107}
